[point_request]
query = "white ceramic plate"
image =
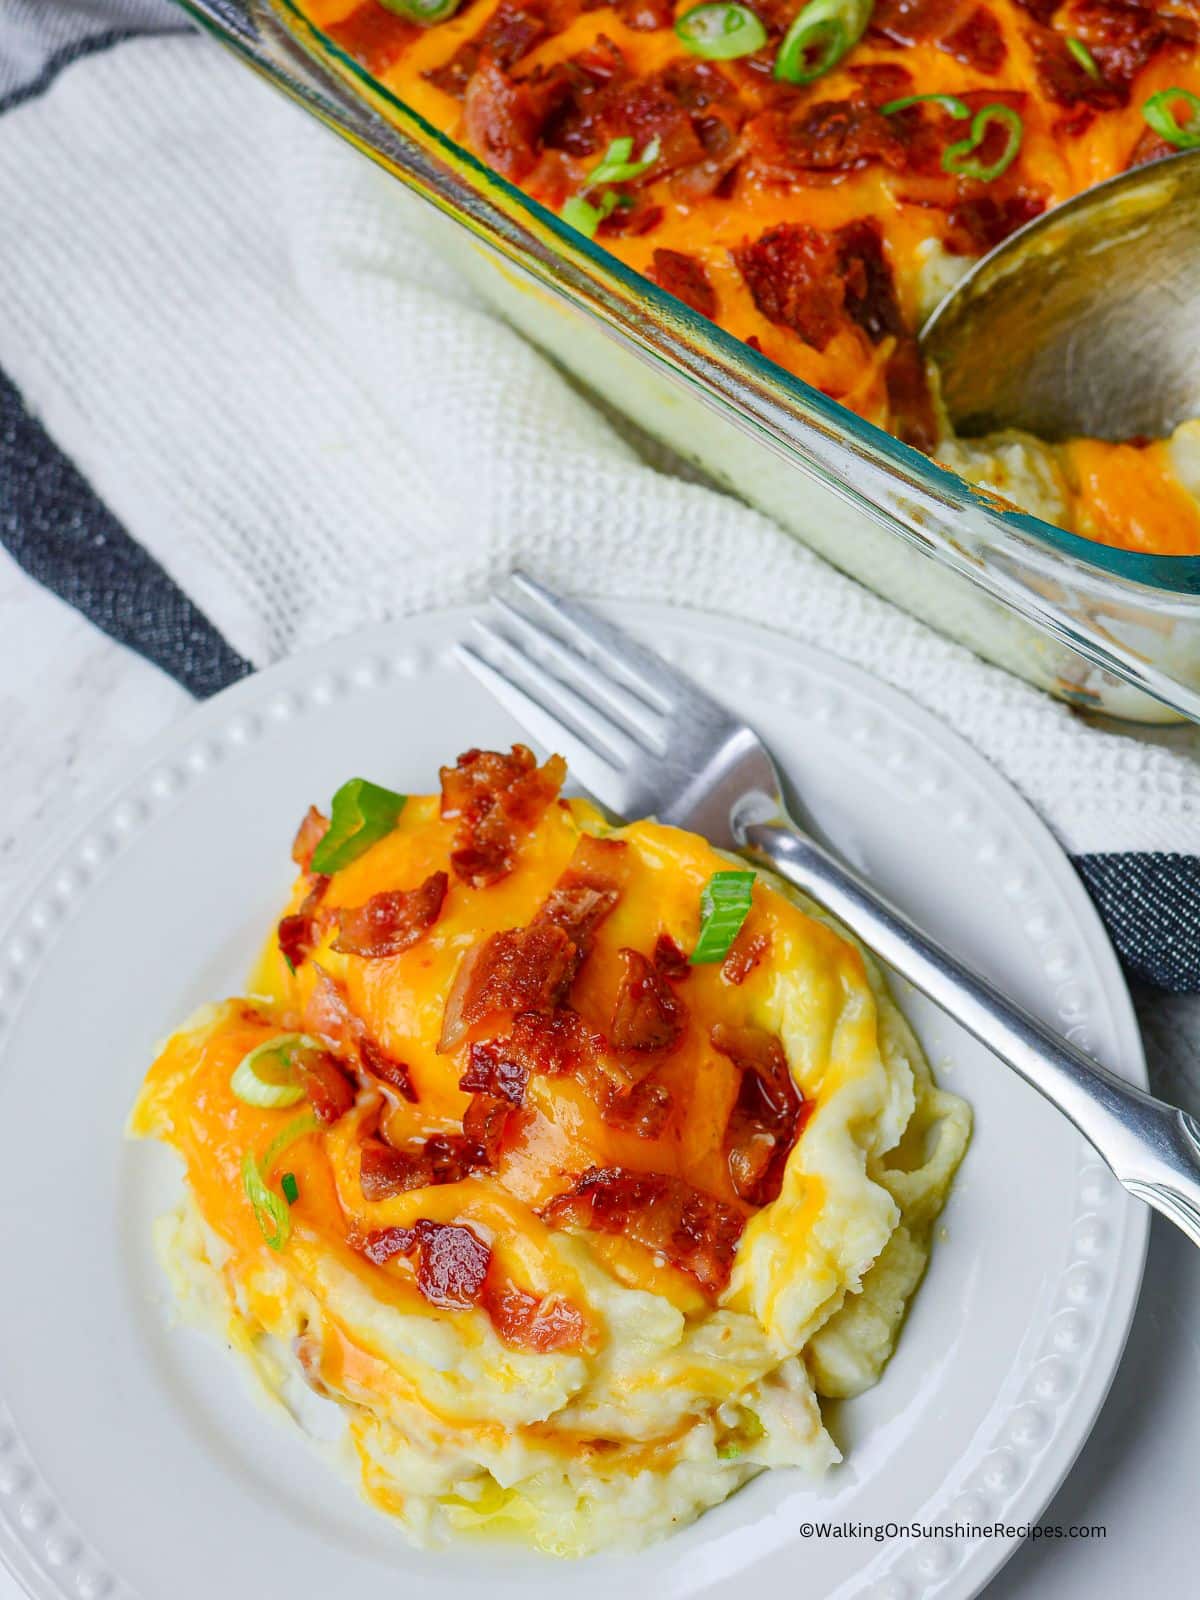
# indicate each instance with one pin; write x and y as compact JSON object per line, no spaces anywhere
{"x":133,"y":1461}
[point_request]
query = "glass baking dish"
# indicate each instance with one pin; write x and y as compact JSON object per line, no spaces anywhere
{"x":1108,"y":630}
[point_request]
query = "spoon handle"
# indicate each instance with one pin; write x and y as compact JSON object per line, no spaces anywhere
{"x":1152,"y":1148}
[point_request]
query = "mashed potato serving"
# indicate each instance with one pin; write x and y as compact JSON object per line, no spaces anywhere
{"x":570,"y":1166}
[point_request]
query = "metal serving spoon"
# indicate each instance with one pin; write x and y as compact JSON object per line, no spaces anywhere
{"x":1086,"y":322}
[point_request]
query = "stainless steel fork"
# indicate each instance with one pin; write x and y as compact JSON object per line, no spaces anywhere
{"x":647,"y":742}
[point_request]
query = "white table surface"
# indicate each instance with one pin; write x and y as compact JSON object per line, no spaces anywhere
{"x":73,"y":706}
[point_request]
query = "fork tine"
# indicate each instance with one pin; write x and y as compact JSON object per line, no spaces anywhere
{"x":691,"y":779}
{"x":627,"y":711}
{"x":610,"y":649}
{"x":584,"y":720}
{"x":594,"y":769}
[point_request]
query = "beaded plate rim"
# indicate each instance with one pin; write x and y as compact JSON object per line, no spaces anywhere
{"x":40,"y":1543}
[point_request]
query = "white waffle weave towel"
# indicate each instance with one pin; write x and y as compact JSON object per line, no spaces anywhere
{"x":222,"y":315}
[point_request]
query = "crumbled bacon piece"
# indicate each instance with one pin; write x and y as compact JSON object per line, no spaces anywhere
{"x":719,"y":133}
{"x":500,"y":122}
{"x":645,"y":110}
{"x":484,"y":1122}
{"x":923,"y":131}
{"x":374,"y":36}
{"x":685,"y":277}
{"x":630,"y":222}
{"x":530,"y":1322}
{"x":381,"y":1244}
{"x":669,"y":959}
{"x":881,"y":81}
{"x":452,"y":1260}
{"x":384,"y":1172}
{"x":911,"y":21}
{"x":308,"y":836}
{"x":552,"y":180}
{"x":327,"y":1012}
{"x":493,"y":1069}
{"x":587,"y":891}
{"x":296,"y":935}
{"x":1065,"y":81}
{"x":554,"y":1045}
{"x":977,"y":41}
{"x":643,"y":1110}
{"x":1073,"y":124}
{"x":767,"y":1116}
{"x":979,"y":224}
{"x":776,"y":16}
{"x":1123,"y":38}
{"x":520,"y":969}
{"x":831,"y":137}
{"x":379,"y":1064}
{"x":646,"y":1014}
{"x":870,"y":297}
{"x":697,"y":85}
{"x":391,"y":921}
{"x":561,"y":1044}
{"x":573,"y":95}
{"x":509,"y":33}
{"x":694,"y":1231}
{"x":791,"y":272}
{"x":871,"y":302}
{"x":442,"y":1158}
{"x":495,"y":798}
{"x":299,"y":933}
{"x":1150,"y":147}
{"x":745,"y":953}
{"x":453,"y":1264}
{"x":330,"y":1092}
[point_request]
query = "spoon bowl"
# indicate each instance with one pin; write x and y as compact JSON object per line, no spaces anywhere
{"x":1086,"y":322}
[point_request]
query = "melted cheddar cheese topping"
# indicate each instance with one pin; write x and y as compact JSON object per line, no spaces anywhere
{"x":508,"y":1366}
{"x":754,"y":210}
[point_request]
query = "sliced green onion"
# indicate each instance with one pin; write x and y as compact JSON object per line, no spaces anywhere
{"x":425,"y":12}
{"x":823,"y":32}
{"x":749,"y":1429}
{"x":362,"y":813}
{"x":957,"y":158}
{"x":948,"y":102}
{"x":267,"y":1075}
{"x":1084,"y":57}
{"x":582,"y":214}
{"x":724,"y":904}
{"x":1158,"y":112}
{"x":291,"y":1189}
{"x":617,"y":165}
{"x":297,"y":1128}
{"x":721,"y":32}
{"x":271,"y":1210}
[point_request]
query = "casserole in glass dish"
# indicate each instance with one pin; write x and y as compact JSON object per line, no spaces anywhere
{"x":1109,"y":629}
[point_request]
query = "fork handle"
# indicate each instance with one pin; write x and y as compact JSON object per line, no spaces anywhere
{"x":1153,"y":1148}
